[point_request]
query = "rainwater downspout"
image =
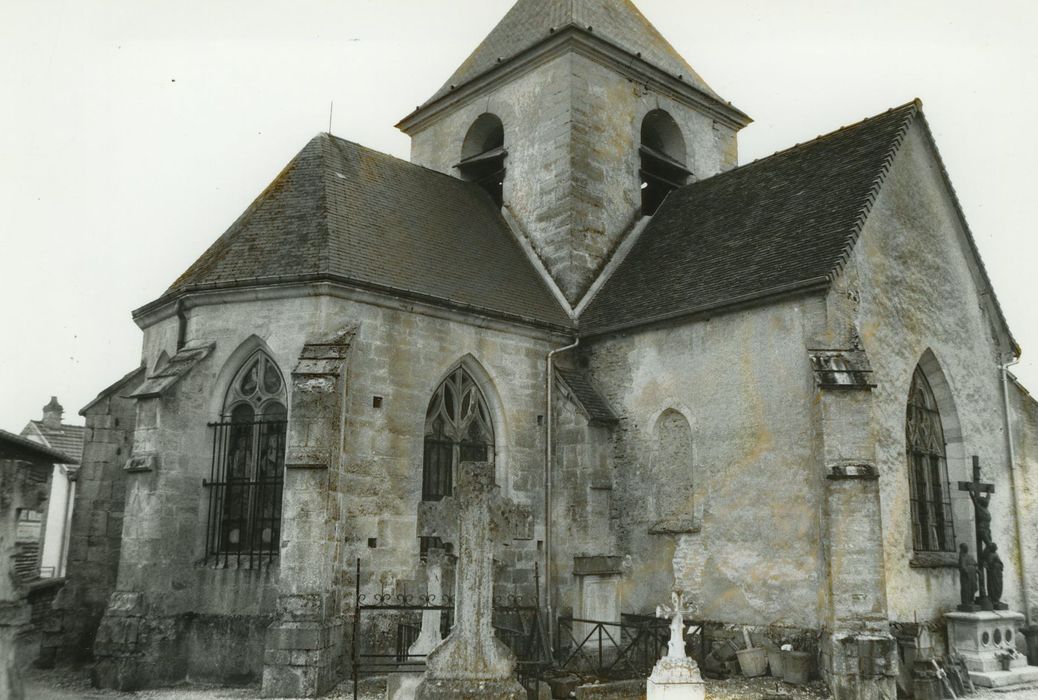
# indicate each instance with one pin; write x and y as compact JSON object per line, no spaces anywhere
{"x":1017,"y":510}
{"x":549,"y":384}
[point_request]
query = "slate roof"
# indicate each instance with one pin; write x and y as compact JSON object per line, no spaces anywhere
{"x":784,"y":222}
{"x":67,"y":439}
{"x":597,"y":407}
{"x":342,"y":212}
{"x":530,"y":22}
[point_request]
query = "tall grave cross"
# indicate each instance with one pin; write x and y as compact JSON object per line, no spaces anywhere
{"x":980,"y":494}
{"x":474,"y":519}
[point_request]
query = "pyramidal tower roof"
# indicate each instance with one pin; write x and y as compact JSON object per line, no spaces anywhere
{"x":531,"y":22}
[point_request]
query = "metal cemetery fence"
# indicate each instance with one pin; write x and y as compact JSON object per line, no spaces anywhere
{"x":386,"y":625}
{"x":617,"y":650}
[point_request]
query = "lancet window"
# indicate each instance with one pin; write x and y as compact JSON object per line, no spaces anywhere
{"x":457,"y":429}
{"x":245,"y":488}
{"x":932,"y":528}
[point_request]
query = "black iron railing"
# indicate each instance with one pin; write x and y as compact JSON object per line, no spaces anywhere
{"x":245,"y":491}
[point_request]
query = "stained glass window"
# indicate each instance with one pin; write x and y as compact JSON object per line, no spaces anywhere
{"x":248,"y":464}
{"x":932,"y":529}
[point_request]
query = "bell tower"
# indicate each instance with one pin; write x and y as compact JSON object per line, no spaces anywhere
{"x":578,"y":118}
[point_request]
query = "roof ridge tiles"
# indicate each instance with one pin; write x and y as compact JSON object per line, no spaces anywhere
{"x":916,"y":103}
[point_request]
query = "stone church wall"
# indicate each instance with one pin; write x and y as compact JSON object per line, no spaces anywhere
{"x":908,"y":293}
{"x":582,"y":495}
{"x":192,"y":607}
{"x":572,"y":130}
{"x":1024,"y":410}
{"x":97,"y":524}
{"x":744,"y":540}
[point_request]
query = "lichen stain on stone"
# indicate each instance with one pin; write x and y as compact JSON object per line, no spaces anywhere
{"x":316,"y":385}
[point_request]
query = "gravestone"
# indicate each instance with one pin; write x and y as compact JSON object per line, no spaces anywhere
{"x":675,"y":676}
{"x":429,"y":638}
{"x":472,"y":662}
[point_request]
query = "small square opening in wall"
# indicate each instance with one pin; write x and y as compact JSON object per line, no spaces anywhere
{"x":372,"y":542}
{"x":376,"y":402}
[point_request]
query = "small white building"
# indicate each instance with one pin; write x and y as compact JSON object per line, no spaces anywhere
{"x":53,"y":526}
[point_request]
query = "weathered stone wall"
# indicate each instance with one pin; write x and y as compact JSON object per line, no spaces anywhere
{"x":581,"y":497}
{"x":1024,"y":412}
{"x":747,"y":546}
{"x":572,"y":130}
{"x":908,"y":293}
{"x":400,"y":356}
{"x":97,"y":523}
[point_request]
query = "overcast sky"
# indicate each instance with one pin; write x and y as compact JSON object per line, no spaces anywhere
{"x":133,"y":133}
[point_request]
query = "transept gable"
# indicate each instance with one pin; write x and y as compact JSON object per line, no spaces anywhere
{"x":921,"y":209}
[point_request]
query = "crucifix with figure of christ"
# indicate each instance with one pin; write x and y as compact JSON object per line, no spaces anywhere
{"x":980,"y":494}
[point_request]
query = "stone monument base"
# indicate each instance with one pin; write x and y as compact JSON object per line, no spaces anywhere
{"x":675,"y":679}
{"x":458,"y":689}
{"x":979,"y":637}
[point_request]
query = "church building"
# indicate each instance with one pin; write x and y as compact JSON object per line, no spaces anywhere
{"x":760,"y":384}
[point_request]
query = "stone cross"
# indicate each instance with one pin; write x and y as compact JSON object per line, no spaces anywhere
{"x":429,"y":638}
{"x":980,"y":494}
{"x":676,"y":611}
{"x":475,"y":518}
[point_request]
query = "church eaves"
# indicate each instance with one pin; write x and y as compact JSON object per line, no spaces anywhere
{"x":343,"y":213}
{"x":531,"y":22}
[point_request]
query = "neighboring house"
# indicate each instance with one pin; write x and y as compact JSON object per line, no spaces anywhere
{"x":54,"y":524}
{"x":25,"y":470}
{"x":784,"y":369}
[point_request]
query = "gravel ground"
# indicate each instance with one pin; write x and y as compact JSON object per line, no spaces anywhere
{"x":74,"y":684}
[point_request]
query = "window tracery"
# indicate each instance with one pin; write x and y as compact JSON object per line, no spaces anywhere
{"x":248,"y":464}
{"x":932,"y":523}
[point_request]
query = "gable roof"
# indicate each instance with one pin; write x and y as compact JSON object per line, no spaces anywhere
{"x":67,"y":439}
{"x":22,"y":448}
{"x":531,"y":22}
{"x":342,"y":212}
{"x":783,"y":223}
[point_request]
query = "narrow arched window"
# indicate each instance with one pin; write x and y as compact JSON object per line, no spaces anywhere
{"x":249,"y":464}
{"x":932,"y":528}
{"x":458,"y":429}
{"x":483,"y":156}
{"x":663,"y":158}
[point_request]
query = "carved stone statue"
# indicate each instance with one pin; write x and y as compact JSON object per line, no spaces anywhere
{"x":983,"y":515}
{"x":968,"y":576}
{"x":994,"y":567}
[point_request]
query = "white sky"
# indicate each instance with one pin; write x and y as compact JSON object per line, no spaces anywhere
{"x":133,"y":133}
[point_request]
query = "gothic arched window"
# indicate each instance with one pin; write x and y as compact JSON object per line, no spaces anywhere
{"x":457,"y":429}
{"x":249,"y":463}
{"x":932,"y":529}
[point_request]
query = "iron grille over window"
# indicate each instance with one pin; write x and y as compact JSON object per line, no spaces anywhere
{"x":932,"y":529}
{"x":457,"y":429}
{"x":245,"y":486}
